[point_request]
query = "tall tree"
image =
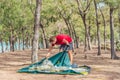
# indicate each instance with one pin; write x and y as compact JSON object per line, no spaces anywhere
{"x":45,"y":41}
{"x":104,"y":23}
{"x":36,"y":31}
{"x":98,"y":28}
{"x":83,"y":12}
{"x":113,"y":4}
{"x":119,"y":21}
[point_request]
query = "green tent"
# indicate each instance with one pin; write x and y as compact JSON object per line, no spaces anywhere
{"x":57,"y":64}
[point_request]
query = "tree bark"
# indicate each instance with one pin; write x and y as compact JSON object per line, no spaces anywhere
{"x":36,"y":32}
{"x":74,"y":35}
{"x":98,"y":29}
{"x":23,"y":43}
{"x":104,"y":22}
{"x":86,"y":32}
{"x":113,"y":53}
{"x":83,"y":14}
{"x":2,"y":46}
{"x":44,"y":36}
{"x":18,"y":43}
{"x":1,"y":42}
{"x":119,"y":21}
{"x":76,"y":39}
{"x":12,"y":38}
{"x":67,"y":24}
{"x":89,"y":32}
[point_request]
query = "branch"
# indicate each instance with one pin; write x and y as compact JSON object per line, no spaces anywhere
{"x":31,"y":7}
{"x":88,"y":5}
{"x":79,"y":7}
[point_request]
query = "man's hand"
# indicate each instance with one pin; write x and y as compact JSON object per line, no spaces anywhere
{"x":48,"y":54}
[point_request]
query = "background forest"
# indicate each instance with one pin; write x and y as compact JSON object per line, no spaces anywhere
{"x":26,"y":25}
{"x":89,"y":22}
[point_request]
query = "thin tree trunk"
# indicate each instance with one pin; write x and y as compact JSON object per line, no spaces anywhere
{"x":43,"y":41}
{"x":74,"y":36}
{"x":98,"y":29}
{"x":104,"y":22}
{"x":1,"y":42}
{"x":19,"y":44}
{"x":89,"y":32}
{"x":7,"y":46}
{"x":23,"y":41}
{"x":76,"y":40}
{"x":119,"y":29}
{"x":11,"y":41}
{"x":113,"y":53}
{"x":83,"y":16}
{"x":119,"y":21}
{"x":86,"y":45}
{"x":71,"y":28}
{"x":67,"y":24}
{"x":2,"y":46}
{"x":44,"y":37}
{"x":36,"y":32}
{"x":87,"y":37}
{"x":27,"y":42}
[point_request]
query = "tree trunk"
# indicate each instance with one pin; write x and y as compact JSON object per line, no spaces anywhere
{"x":76,"y":39}
{"x":67,"y":24}
{"x":2,"y":46}
{"x":7,"y":46}
{"x":1,"y":42}
{"x":71,"y":28}
{"x":23,"y":45}
{"x":87,"y":37}
{"x":44,"y":37}
{"x":113,"y":54}
{"x":19,"y":44}
{"x":89,"y":34}
{"x":119,"y":29}
{"x":27,"y":42}
{"x":36,"y":32}
{"x":23,"y":39}
{"x":74,"y":36}
{"x":98,"y":29}
{"x":43,"y":41}
{"x":104,"y":22}
{"x":86,"y":45}
{"x":30,"y":40}
{"x":12,"y":41}
{"x":119,"y":21}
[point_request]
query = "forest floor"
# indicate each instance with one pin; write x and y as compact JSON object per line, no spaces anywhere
{"x":103,"y":68}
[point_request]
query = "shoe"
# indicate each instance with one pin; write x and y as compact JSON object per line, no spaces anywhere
{"x":74,"y":65}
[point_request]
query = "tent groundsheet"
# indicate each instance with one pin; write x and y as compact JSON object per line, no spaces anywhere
{"x":57,"y":64}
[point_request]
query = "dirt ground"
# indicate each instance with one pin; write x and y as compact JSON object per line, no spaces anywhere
{"x":102,"y":67}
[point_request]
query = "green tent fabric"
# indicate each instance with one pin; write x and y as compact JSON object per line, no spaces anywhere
{"x":57,"y":64}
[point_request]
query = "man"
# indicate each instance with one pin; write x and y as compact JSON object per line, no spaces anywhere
{"x":65,"y":42}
